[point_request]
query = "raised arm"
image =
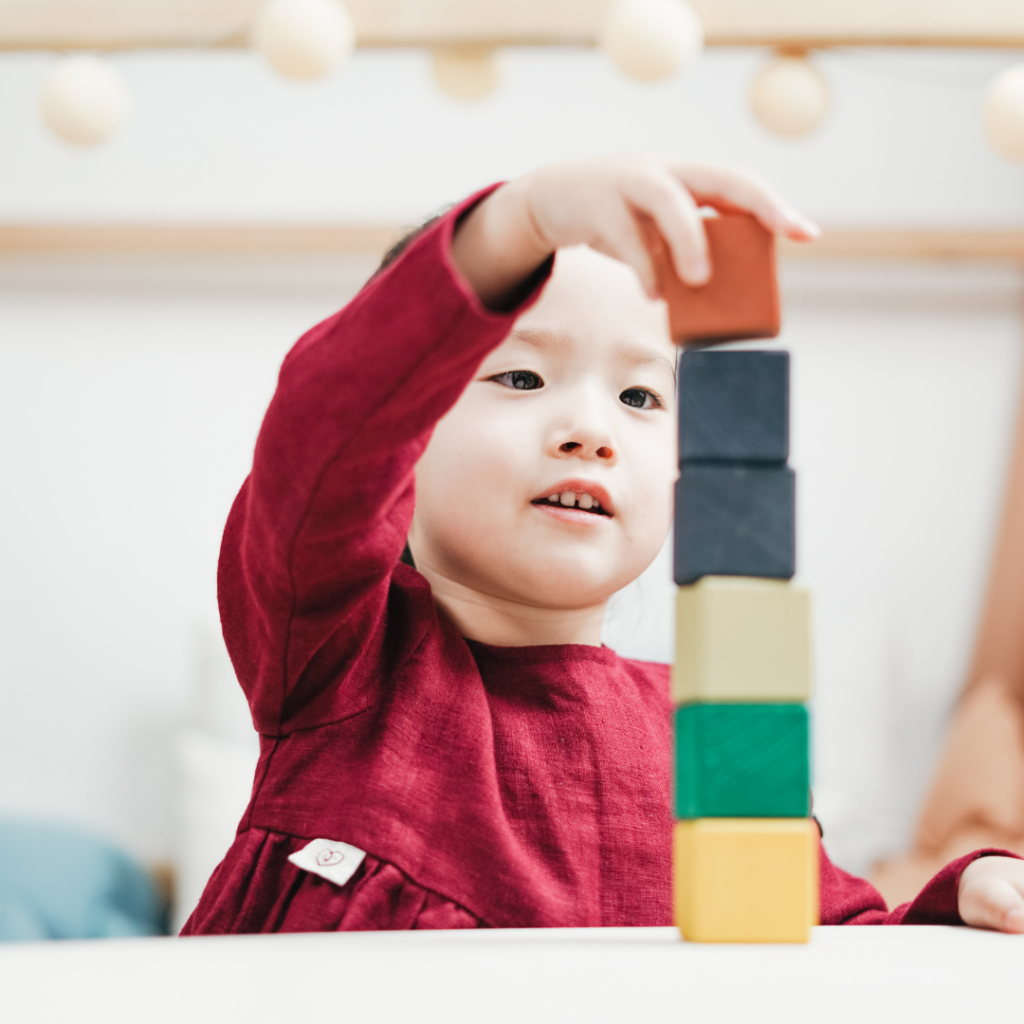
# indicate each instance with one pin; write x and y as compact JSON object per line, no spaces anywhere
{"x":318,"y":527}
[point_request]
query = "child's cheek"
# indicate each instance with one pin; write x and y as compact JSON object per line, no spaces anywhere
{"x":472,"y":476}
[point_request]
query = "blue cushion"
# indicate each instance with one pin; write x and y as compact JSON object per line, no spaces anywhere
{"x":58,"y":883}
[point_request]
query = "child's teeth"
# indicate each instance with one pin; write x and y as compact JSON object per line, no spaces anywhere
{"x":570,"y":499}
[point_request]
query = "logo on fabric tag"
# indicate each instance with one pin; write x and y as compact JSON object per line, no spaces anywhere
{"x":330,"y":859}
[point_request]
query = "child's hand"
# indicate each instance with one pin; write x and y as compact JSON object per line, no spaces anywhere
{"x":992,"y":894}
{"x":605,"y":204}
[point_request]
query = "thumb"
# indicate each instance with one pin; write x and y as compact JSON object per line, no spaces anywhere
{"x":992,"y":902}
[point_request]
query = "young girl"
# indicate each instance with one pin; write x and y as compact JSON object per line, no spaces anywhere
{"x":455,"y":730}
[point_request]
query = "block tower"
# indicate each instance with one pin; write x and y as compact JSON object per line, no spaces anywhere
{"x":745,"y":851}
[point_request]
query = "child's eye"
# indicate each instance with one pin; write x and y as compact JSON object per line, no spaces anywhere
{"x":640,"y":398}
{"x":521,"y":380}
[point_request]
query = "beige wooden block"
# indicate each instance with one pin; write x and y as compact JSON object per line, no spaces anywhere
{"x":742,"y":639}
{"x":745,"y":879}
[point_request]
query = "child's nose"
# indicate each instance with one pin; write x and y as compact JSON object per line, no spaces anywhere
{"x":602,"y":452}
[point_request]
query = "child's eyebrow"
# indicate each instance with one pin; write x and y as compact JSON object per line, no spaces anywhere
{"x":627,"y":352}
{"x":639,"y":355}
{"x":535,"y":338}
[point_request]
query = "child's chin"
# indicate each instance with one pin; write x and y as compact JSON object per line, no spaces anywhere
{"x":560,"y":582}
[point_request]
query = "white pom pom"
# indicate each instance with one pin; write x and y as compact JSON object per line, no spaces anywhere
{"x":652,"y":39}
{"x":467,"y":73}
{"x":84,"y":100}
{"x":304,"y":38}
{"x":1004,"y":113}
{"x":789,"y":96}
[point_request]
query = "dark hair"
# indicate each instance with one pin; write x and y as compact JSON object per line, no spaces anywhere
{"x":407,"y":238}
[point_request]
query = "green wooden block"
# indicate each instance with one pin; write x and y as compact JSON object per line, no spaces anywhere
{"x":741,"y":761}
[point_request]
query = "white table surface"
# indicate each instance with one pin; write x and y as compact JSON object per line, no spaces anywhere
{"x":644,"y":975}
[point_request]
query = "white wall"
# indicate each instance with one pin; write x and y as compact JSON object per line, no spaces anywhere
{"x":131,"y":390}
{"x":130,"y":397}
{"x":905,"y":385}
{"x":216,"y":136}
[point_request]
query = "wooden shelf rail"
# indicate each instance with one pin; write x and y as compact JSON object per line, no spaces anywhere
{"x":120,"y":24}
{"x":838,"y":243}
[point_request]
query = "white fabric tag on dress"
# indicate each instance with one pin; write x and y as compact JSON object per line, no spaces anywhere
{"x":330,"y":859}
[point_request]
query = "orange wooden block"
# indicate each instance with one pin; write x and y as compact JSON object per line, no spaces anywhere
{"x":741,"y":300}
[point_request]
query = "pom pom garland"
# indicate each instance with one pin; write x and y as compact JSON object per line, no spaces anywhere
{"x":304,"y":38}
{"x":652,"y":39}
{"x":84,"y":100}
{"x":467,"y":73}
{"x":789,"y":97}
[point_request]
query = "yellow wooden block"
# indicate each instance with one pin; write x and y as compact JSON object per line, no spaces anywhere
{"x":745,"y":879}
{"x":742,"y":639}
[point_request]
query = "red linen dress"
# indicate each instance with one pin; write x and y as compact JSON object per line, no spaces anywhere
{"x":490,"y":787}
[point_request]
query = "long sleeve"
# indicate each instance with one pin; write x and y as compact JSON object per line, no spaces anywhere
{"x":846,"y":899}
{"x":317,"y":530}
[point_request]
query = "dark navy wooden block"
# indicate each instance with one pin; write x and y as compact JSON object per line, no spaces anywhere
{"x":734,"y":406}
{"x":741,"y":761}
{"x":734,"y":520}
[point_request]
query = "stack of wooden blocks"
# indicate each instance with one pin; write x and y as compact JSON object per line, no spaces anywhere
{"x":745,"y":851}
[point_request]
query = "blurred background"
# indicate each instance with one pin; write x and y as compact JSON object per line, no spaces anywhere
{"x":172,"y":222}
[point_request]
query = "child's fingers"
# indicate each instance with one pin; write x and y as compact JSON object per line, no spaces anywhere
{"x":714,"y":183}
{"x":675,"y":214}
{"x":619,"y":235}
{"x":992,"y":902}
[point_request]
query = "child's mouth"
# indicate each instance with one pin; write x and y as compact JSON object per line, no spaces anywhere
{"x":578,"y":501}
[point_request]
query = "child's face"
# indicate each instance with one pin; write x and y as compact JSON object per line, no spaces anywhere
{"x":578,"y":401}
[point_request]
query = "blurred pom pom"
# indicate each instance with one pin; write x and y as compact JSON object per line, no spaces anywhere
{"x":789,"y":96}
{"x":467,"y":73}
{"x":1004,"y":113}
{"x":652,"y":39}
{"x":84,"y":100}
{"x":304,"y":38}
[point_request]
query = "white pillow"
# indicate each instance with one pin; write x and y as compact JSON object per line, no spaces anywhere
{"x":215,"y":779}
